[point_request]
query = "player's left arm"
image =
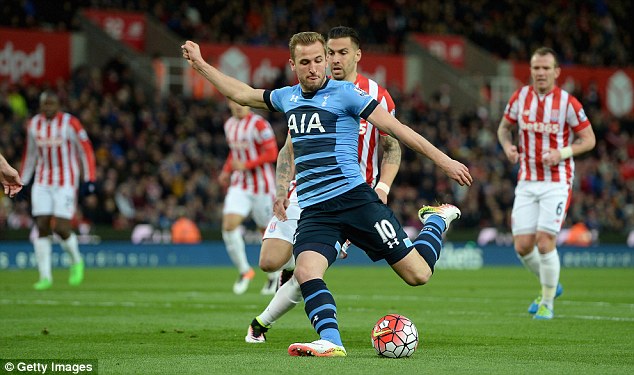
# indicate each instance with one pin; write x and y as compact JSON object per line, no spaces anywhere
{"x":391,"y":160}
{"x":390,"y":164}
{"x":383,"y":120}
{"x":585,"y":138}
{"x":584,"y":142}
{"x":86,"y":151}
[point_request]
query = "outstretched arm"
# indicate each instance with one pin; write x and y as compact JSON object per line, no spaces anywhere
{"x":9,"y":178}
{"x":232,"y":88}
{"x":389,"y":124}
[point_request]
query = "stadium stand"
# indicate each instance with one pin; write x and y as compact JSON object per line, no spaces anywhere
{"x":509,"y":29}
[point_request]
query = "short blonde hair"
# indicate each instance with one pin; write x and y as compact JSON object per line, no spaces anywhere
{"x":305,"y":38}
{"x":545,"y":51}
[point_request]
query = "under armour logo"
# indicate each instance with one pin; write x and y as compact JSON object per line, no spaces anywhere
{"x":315,"y":319}
{"x":294,"y":98}
{"x":393,"y":242}
{"x":323,"y":104}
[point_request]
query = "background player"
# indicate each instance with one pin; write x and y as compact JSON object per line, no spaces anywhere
{"x":55,"y":143}
{"x":344,"y":54}
{"x":249,"y":173}
{"x":546,"y":117}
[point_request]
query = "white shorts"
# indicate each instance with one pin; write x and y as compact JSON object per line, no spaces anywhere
{"x":58,"y":201}
{"x":539,"y":206}
{"x":284,"y":230}
{"x":241,"y":202}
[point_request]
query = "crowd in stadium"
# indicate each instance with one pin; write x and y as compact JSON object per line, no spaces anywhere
{"x":509,"y":29}
{"x":154,"y":155}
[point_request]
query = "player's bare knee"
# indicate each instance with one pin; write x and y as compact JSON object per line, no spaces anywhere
{"x":524,"y":247}
{"x":303,"y":274}
{"x":269,"y":264}
{"x":420,"y":277}
{"x":228,"y":227}
{"x":546,"y":246}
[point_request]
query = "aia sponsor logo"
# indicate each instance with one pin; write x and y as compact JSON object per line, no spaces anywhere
{"x":302,"y":127}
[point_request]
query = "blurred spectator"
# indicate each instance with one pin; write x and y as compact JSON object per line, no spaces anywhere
{"x":579,"y":235}
{"x":185,"y":230}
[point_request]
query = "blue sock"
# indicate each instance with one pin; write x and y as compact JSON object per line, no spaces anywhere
{"x":320,"y":307}
{"x":429,"y":240}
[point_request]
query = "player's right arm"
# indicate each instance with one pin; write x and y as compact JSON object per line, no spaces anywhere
{"x":225,"y":175}
{"x":505,"y":137}
{"x":232,"y":88}
{"x":505,"y":129}
{"x":284,"y":173}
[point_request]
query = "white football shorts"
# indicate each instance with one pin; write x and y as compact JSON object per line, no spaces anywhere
{"x":58,"y":201}
{"x":284,"y":230}
{"x":539,"y":206}
{"x":241,"y":202}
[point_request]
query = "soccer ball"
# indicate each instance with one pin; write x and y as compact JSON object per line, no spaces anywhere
{"x":394,"y":336}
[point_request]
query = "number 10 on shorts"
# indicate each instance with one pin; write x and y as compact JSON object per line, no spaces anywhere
{"x":387,"y":232}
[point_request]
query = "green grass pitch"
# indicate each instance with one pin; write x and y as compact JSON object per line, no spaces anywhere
{"x":187,"y":321}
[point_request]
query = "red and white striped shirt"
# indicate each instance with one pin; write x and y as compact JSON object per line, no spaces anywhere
{"x":545,"y":122}
{"x":368,"y":133}
{"x":251,"y":140}
{"x":53,"y":151}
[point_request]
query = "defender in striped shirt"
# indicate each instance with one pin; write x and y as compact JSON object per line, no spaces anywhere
{"x":56,"y":143}
{"x":548,"y":120}
{"x":323,"y":119}
{"x":250,"y":175}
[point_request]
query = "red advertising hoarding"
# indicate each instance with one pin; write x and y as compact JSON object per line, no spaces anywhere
{"x":128,"y":27}
{"x":261,"y":66}
{"x":34,"y":56}
{"x":615,"y":86}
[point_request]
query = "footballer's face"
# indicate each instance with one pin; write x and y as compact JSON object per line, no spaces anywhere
{"x":237,"y":110}
{"x":310,"y":66}
{"x":343,"y":56}
{"x":49,"y":105}
{"x":544,"y":73}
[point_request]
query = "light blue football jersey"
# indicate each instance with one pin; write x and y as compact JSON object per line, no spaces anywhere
{"x":324,"y":128}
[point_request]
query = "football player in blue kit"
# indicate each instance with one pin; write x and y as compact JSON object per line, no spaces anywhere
{"x":323,"y":120}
